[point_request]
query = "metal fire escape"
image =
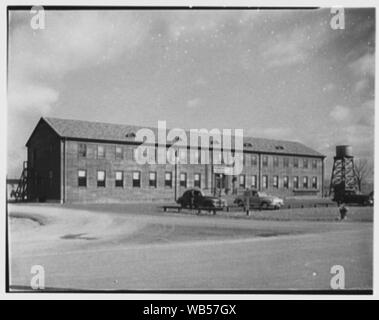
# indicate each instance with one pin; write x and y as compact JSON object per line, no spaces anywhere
{"x":21,"y":193}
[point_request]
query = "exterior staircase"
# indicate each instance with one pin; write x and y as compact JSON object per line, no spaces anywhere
{"x":21,"y":193}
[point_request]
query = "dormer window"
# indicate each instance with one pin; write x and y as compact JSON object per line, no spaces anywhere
{"x":130,"y":135}
{"x":247,"y":145}
{"x":279,"y":147}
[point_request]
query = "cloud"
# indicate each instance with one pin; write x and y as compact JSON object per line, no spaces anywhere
{"x":71,"y":40}
{"x":364,"y":66}
{"x":286,"y":51}
{"x":340,"y":113}
{"x":329,"y":87}
{"x":194,"y":103}
{"x":31,"y":98}
{"x":285,"y":133}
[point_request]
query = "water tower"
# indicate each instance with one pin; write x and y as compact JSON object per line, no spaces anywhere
{"x":343,"y":173}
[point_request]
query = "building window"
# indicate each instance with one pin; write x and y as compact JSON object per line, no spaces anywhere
{"x":254,"y":181}
{"x":242,"y":181}
{"x":296,"y":182}
{"x":183,"y":179}
{"x":254,"y":160}
{"x":153,"y":179}
{"x":305,"y":163}
{"x":246,"y":159}
{"x":296,"y":163}
{"x":82,"y":150}
{"x":119,"y":154}
{"x":129,"y":154}
{"x":305,"y":182}
{"x":285,"y":182}
{"x":82,"y":178}
{"x":197,"y":180}
{"x":100,"y":152}
{"x":265,"y":161}
{"x":183,"y":156}
{"x":314,"y":164}
{"x":265,"y":182}
{"x":136,"y":176}
{"x":119,"y":179}
{"x":194,"y":156}
{"x":276,"y":162}
{"x":168,"y":179}
{"x":101,"y":178}
{"x":276,"y":182}
{"x":286,"y":162}
{"x":314,"y":182}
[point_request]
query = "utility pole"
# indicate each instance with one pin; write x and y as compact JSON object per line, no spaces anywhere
{"x":176,"y":174}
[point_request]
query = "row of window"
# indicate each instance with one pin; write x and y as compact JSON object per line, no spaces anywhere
{"x":168,"y":180}
{"x":136,"y":179}
{"x":248,"y":159}
{"x":284,"y":182}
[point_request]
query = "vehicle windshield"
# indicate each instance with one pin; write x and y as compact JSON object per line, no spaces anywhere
{"x":262,"y":194}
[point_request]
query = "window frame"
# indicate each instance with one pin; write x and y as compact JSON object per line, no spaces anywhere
{"x":195,"y":184}
{"x":305,"y":183}
{"x":275,"y":181}
{"x":295,"y":181}
{"x":117,"y":181}
{"x":80,"y":145}
{"x":101,"y":183}
{"x":275,"y":162}
{"x":286,"y":181}
{"x":254,"y":160}
{"x":265,"y":161}
{"x":183,"y":183}
{"x":296,"y":162}
{"x":119,"y":155}
{"x":97,"y":151}
{"x":153,"y":182}
{"x":81,"y":178}
{"x":136,"y":183}
{"x":314,"y":182}
{"x":242,"y":184}
{"x":265,"y":181}
{"x":170,"y":185}
{"x":254,"y":181}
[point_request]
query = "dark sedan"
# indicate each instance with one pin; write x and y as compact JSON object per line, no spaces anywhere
{"x":354,"y":197}
{"x":195,"y":198}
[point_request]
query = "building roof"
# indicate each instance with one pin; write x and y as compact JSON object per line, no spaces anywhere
{"x":78,"y":129}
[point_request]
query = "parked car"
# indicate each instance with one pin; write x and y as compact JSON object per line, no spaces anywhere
{"x":195,"y":198}
{"x":260,"y":199}
{"x":354,"y":197}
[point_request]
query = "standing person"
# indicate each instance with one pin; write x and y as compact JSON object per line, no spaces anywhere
{"x":343,"y":211}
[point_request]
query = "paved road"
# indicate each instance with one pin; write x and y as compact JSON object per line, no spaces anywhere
{"x":152,"y":259}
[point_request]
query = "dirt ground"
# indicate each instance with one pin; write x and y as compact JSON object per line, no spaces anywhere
{"x":139,"y":247}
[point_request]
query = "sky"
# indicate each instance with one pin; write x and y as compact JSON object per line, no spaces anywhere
{"x":281,"y":74}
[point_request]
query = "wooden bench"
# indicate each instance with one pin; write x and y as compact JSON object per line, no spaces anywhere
{"x":199,"y":209}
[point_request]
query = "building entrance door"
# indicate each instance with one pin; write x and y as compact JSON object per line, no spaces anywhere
{"x":220,"y":183}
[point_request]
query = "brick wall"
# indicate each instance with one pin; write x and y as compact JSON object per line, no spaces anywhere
{"x":110,"y":193}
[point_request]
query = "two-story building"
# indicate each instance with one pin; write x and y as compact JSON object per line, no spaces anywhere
{"x":82,"y":161}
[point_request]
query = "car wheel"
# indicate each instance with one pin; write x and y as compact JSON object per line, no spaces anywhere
{"x":264,"y":205}
{"x":239,"y":203}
